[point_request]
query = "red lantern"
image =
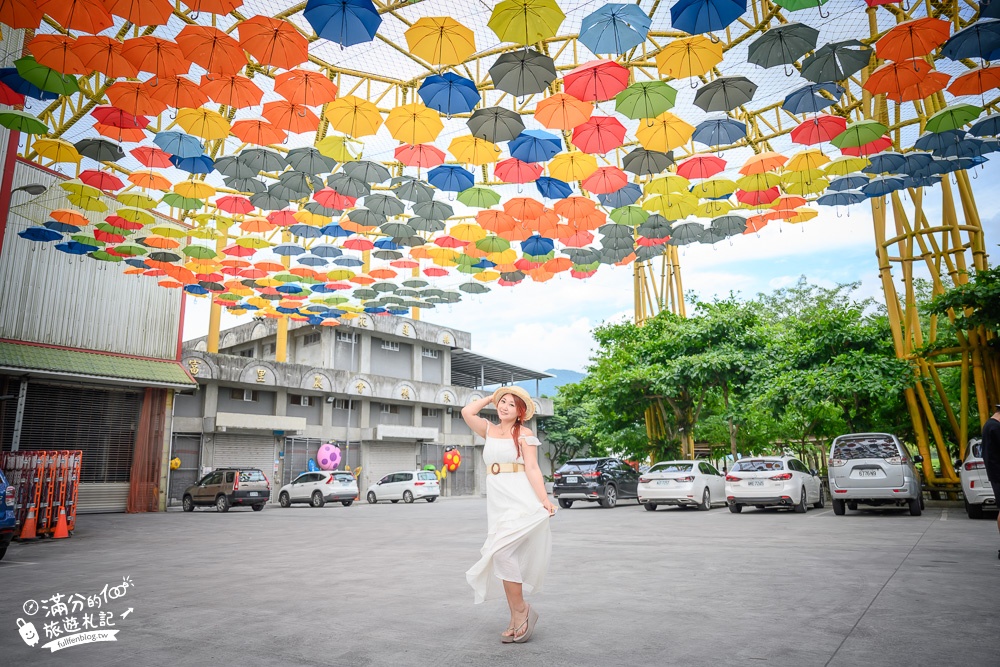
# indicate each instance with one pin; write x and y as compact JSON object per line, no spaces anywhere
{"x":452,"y":459}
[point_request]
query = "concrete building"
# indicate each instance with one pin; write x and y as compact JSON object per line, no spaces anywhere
{"x":388,"y":390}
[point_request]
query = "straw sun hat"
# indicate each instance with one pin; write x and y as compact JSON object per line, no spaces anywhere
{"x":529,"y":405}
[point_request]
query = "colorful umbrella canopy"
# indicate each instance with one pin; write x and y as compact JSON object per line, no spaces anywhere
{"x":346,"y":22}
{"x":273,"y":42}
{"x":522,"y":72}
{"x":440,"y":40}
{"x":614,"y":28}
{"x":414,"y":124}
{"x":700,"y":16}
{"x":525,"y":22}
{"x":597,"y":80}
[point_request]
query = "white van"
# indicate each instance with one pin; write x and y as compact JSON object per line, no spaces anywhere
{"x":873,"y":469}
{"x":975,"y":485}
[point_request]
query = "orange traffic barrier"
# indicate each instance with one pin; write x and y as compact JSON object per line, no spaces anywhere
{"x":61,"y":530}
{"x":28,"y":530}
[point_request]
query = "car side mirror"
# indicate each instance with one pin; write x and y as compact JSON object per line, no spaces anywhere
{"x":918,"y":459}
{"x":814,"y":472}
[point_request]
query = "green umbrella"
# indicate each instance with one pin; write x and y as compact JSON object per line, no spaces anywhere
{"x":105,"y":256}
{"x":492,"y":244}
{"x":468,"y":268}
{"x":629,"y":215}
{"x":227,"y":297}
{"x":87,"y":239}
{"x":335,"y":300}
{"x":952,"y":117}
{"x":859,"y":133}
{"x":130,"y":250}
{"x":45,"y":78}
{"x":287,"y":278}
{"x":798,"y":5}
{"x":466,"y":260}
{"x":20,"y":121}
{"x":540,"y":258}
{"x":645,"y":99}
{"x":185,"y":203}
{"x":479,"y":197}
{"x":199,"y":251}
{"x":111,"y":229}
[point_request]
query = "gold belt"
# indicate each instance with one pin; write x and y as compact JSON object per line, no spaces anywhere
{"x":498,"y":468}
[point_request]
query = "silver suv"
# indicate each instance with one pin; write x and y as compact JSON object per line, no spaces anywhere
{"x":873,"y":469}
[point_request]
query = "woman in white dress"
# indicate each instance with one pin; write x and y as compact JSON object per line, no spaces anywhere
{"x":515,"y":556}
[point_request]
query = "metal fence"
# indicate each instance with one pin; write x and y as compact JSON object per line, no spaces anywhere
{"x":462,"y":482}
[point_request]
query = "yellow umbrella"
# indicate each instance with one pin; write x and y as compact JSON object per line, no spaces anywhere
{"x":340,"y":274}
{"x":135,"y":215}
{"x":203,"y":123}
{"x":207,"y":233}
{"x":440,"y":40}
{"x":811,"y":158}
{"x":253,"y":242}
{"x":486,"y":276}
{"x":508,"y":256}
{"x":57,"y":150}
{"x":467,"y":231}
{"x":87,"y":203}
{"x":414,"y":124}
{"x":689,"y":56}
{"x":807,"y":182}
{"x":444,"y":254}
{"x":170,"y":231}
{"x":353,"y":116}
{"x":844,"y":165}
{"x":136,"y":200}
{"x":802,"y":214}
{"x":77,"y":187}
{"x":307,"y":217}
{"x":674,"y":206}
{"x":574,"y":166}
{"x":341,"y":149}
{"x":473,"y":150}
{"x":259,"y":301}
{"x":664,"y":133}
{"x":194,"y":189}
{"x":712,"y":209}
{"x":667,"y":184}
{"x":267,"y":282}
{"x":714,"y":187}
{"x":525,"y":21}
{"x":757,"y":182}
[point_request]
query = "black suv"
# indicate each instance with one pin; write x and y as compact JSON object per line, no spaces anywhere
{"x":605,"y":480}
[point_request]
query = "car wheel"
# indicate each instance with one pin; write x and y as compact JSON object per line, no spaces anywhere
{"x":802,"y":507}
{"x":3,"y":552}
{"x":346,"y":503}
{"x":371,"y":498}
{"x":431,"y":499}
{"x":974,"y":511}
{"x":284,"y":500}
{"x":821,"y":503}
{"x":735,"y":508}
{"x":565,"y":504}
{"x":852,"y":505}
{"x":317,"y":499}
{"x":914,"y":504}
{"x":188,"y":504}
{"x":706,"y":500}
{"x":839,"y":508}
{"x":407,"y":497}
{"x":258,"y":507}
{"x":222,"y":504}
{"x":650,"y":507}
{"x":610,"y":497}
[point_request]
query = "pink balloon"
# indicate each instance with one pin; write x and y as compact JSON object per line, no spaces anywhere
{"x":328,"y":457}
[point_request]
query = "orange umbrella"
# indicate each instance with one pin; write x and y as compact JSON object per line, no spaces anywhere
{"x":212,"y":6}
{"x":127,"y":134}
{"x":211,"y":48}
{"x":160,"y":57}
{"x":84,"y":15}
{"x":934,"y":82}
{"x":562,"y":112}
{"x":70,"y":217}
{"x":383,"y":274}
{"x":974,"y":82}
{"x":149,"y":180}
{"x":305,"y":87}
{"x":141,"y":12}
{"x":498,"y":222}
{"x":523,"y":208}
{"x":273,"y":42}
{"x":235,"y":91}
{"x":259,"y":132}
{"x":104,"y":54}
{"x":894,"y":78}
{"x":547,"y":224}
{"x":758,"y":164}
{"x":160,"y":242}
{"x":20,"y":14}
{"x":575,"y":207}
{"x":558,"y":264}
{"x":56,"y":51}
{"x":911,"y":39}
{"x":134,"y":98}
{"x":177,"y":92}
{"x":291,"y":117}
{"x":270,"y":267}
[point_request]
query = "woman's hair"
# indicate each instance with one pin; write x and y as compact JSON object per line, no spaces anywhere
{"x":522,"y":409}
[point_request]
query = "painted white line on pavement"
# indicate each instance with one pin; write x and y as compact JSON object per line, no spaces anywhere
{"x":811,"y":515}
{"x":944,"y":514}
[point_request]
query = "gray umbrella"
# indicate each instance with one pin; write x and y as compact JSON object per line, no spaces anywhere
{"x":309,"y":160}
{"x":262,"y":159}
{"x":424,"y":225}
{"x":409,"y":241}
{"x":725,"y":93}
{"x":319,"y":209}
{"x":347,"y":186}
{"x":433,"y":210}
{"x":251,"y":185}
{"x":363,"y":216}
{"x":387,"y":254}
{"x":384,"y":286}
{"x":267,"y":201}
{"x":414,"y":191}
{"x":364,"y":293}
{"x":102,"y":150}
{"x":628,"y":245}
{"x":367,"y":171}
{"x":385,"y":205}
{"x":782,"y":45}
{"x":523,"y":72}
{"x":397,"y":229}
{"x":687,"y":232}
{"x":642,"y":162}
{"x":613,"y":255}
{"x":281,"y":191}
{"x":730,"y":225}
{"x":836,"y":61}
{"x":495,"y":124}
{"x":416,"y":283}
{"x":297,"y":181}
{"x":655,"y":227}
{"x":512,"y":276}
{"x":648,"y":252}
{"x":583,"y":255}
{"x":474,"y":288}
{"x":613,"y":231}
{"x":231,"y":166}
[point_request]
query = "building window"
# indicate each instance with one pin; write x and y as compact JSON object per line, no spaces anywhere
{"x":270,"y":348}
{"x":304,"y":401}
{"x":246,"y":353}
{"x":244,"y":395}
{"x":456,"y":414}
{"x":346,"y":337}
{"x":388,"y":409}
{"x":390,"y":345}
{"x":430,"y":354}
{"x":430,"y":412}
{"x":310,"y":339}
{"x":342,"y":404}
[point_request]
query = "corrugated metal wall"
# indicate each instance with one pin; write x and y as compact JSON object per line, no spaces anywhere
{"x":47,"y":296}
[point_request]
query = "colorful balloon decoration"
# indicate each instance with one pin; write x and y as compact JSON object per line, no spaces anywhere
{"x":452,"y":459}
{"x":328,"y":456}
{"x":175,"y":463}
{"x":312,"y":465}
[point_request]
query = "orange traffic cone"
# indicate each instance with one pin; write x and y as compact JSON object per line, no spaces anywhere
{"x":61,"y":530}
{"x":28,"y":529}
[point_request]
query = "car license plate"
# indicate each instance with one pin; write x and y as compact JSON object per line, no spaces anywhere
{"x":572,"y":480}
{"x":253,"y":494}
{"x":755,"y":482}
{"x":867,"y":473}
{"x":663,"y":482}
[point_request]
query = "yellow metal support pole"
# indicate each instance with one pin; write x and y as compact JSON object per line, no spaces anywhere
{"x":281,"y":340}
{"x":215,"y":310}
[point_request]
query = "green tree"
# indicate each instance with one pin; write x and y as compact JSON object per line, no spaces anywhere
{"x":975,"y":303}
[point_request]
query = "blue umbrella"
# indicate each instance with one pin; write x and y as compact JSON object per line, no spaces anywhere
{"x":288,"y":250}
{"x":137,"y":263}
{"x":306,"y":231}
{"x":932,"y":141}
{"x":699,"y":16}
{"x":39,"y":234}
{"x":535,"y":146}
{"x":10,"y":77}
{"x":179,"y":144}
{"x":375,"y":310}
{"x":971,"y":147}
{"x":386,"y":244}
{"x":626,"y":195}
{"x":808,"y":99}
{"x":201,"y":164}
{"x":348,"y":261}
{"x":484,"y":264}
{"x":289,"y":288}
{"x":326,"y":250}
{"x":312,"y":260}
{"x":845,"y":198}
{"x":719,"y":131}
{"x":614,"y":28}
{"x":450,"y":177}
{"x":882,"y":185}
{"x":921,"y":181}
{"x":989,"y":9}
{"x":57,"y":226}
{"x":537,"y":245}
{"x":323,"y":289}
{"x":885,"y":163}
{"x":346,"y":22}
{"x":195,"y":289}
{"x":75,"y":248}
{"x":449,"y":93}
{"x":335,"y":231}
{"x":847,"y":183}
{"x":979,"y":40}
{"x":288,"y":311}
{"x":917,"y":163}
{"x":553,"y":188}
{"x":988,"y":126}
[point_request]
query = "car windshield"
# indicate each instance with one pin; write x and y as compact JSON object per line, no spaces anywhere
{"x":865,"y":448}
{"x":578,"y":466}
{"x":758,"y":465}
{"x":426,"y":476}
{"x":671,"y":467}
{"x":344,"y":478}
{"x":252,"y":476}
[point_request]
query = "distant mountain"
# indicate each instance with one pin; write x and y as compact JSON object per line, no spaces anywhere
{"x":548,"y":386}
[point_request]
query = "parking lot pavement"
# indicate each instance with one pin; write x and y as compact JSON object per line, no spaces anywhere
{"x":384,"y":585}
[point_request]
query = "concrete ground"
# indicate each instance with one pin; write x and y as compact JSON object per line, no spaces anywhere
{"x":385,"y":585}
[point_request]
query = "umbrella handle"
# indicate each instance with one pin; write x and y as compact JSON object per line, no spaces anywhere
{"x":819,"y":6}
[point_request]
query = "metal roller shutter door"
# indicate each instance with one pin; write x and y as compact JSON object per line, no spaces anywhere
{"x":384,"y":459}
{"x":299,"y":450}
{"x":253,"y":451}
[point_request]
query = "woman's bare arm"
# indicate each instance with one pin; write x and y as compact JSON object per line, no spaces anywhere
{"x":470,"y":413}
{"x":529,"y":453}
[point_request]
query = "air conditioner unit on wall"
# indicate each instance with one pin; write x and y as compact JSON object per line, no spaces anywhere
{"x":304,"y":401}
{"x":248,"y":394}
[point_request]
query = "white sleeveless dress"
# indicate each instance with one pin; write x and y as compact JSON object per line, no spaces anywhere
{"x":518,"y":540}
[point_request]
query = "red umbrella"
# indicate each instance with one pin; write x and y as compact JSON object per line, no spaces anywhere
{"x":330,"y":198}
{"x":758,"y":197}
{"x":513,"y":170}
{"x":160,"y":57}
{"x":56,"y":51}
{"x":122,"y":223}
{"x":597,"y":80}
{"x":141,"y":12}
{"x":578,"y":239}
{"x":117,"y":118}
{"x":234,"y":91}
{"x":305,"y":87}
{"x":605,"y":180}
{"x":358,"y":244}
{"x":292,"y":117}
{"x":870,"y":148}
{"x":84,"y":15}
{"x":701,"y":166}
{"x":101,"y":180}
{"x":283,"y":218}
{"x":211,"y":48}
{"x":273,"y":42}
{"x":240,"y":251}
{"x":599,"y":134}
{"x":912,"y":39}
{"x":152,"y":157}
{"x":893,"y":78}
{"x":8,"y":96}
{"x":934,"y":82}
{"x":134,"y":98}
{"x":823,"y":127}
{"x":104,"y":54}
{"x":435,"y":272}
{"x":643,"y":241}
{"x":234,"y":204}
{"x":177,"y":92}
{"x":447,"y":241}
{"x":420,"y":155}
{"x":20,"y":14}
{"x":108,"y":237}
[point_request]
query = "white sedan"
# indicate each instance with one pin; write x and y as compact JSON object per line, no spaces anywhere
{"x":773,"y":481}
{"x":320,"y":487}
{"x":683,"y":483}
{"x":407,"y":486}
{"x":975,"y":485}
